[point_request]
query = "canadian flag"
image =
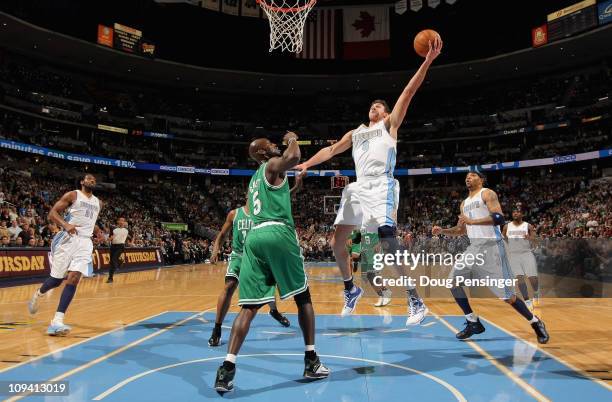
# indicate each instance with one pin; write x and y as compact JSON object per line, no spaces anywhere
{"x":366,"y":33}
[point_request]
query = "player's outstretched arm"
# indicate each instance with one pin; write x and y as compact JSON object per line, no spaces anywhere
{"x":329,"y":152}
{"x":227,"y":225}
{"x":457,"y":230}
{"x":55,"y":215}
{"x":299,"y":182}
{"x":401,"y":106}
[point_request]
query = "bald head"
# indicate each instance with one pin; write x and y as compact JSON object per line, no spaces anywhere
{"x":263,"y":149}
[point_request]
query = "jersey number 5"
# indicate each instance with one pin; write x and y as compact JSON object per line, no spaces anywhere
{"x":256,"y":203}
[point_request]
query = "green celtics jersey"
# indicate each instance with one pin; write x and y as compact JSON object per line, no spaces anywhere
{"x":355,"y":247}
{"x":267,"y":202}
{"x":369,"y":247}
{"x":242,"y":225}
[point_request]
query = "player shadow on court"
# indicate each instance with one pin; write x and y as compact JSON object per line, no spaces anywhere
{"x":159,"y":325}
{"x":434,"y":360}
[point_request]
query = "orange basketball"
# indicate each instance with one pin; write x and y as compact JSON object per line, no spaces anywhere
{"x":421,"y":41}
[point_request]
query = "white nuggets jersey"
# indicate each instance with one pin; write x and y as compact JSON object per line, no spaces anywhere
{"x":475,"y":208}
{"x":374,"y":151}
{"x":517,"y":237}
{"x":83,"y":213}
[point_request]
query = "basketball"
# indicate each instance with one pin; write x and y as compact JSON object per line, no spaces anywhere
{"x":421,"y":41}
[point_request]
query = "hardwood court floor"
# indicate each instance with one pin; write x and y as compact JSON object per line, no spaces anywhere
{"x":580,"y":328}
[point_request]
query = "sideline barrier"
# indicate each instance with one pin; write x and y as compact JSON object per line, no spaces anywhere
{"x":30,"y":262}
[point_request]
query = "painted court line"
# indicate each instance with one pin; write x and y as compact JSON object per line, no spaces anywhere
{"x":388,"y":331}
{"x":458,"y":395}
{"x":560,"y":360}
{"x":505,"y":370}
{"x":111,"y":354}
{"x":78,"y":343}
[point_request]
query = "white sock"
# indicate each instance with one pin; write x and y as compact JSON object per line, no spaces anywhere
{"x":230,"y":358}
{"x":471,"y":317}
{"x":309,"y":348}
{"x":58,"y":318}
{"x":534,"y":319}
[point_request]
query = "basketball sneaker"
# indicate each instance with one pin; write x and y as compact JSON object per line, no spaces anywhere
{"x":34,"y":302}
{"x":350,"y":300}
{"x":314,"y":368}
{"x":384,"y":299}
{"x":58,"y":329}
{"x":280,"y":318}
{"x":471,"y":328}
{"x":540,"y":330}
{"x":225,"y":379}
{"x":215,"y":338}
{"x":417,"y":311}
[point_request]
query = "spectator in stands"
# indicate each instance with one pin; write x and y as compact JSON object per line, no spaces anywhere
{"x":5,"y":242}
{"x":3,"y":229}
{"x":14,"y":230}
{"x":25,"y":234}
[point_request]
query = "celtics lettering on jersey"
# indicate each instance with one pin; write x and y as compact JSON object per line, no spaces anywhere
{"x":268,"y":202}
{"x":241,"y":226}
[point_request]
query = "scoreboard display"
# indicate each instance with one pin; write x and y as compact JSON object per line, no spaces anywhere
{"x":572,"y":20}
{"x":126,"y":39}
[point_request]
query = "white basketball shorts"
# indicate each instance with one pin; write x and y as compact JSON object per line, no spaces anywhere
{"x":523,"y":263}
{"x":70,"y":253}
{"x":485,"y":258}
{"x":369,"y":203}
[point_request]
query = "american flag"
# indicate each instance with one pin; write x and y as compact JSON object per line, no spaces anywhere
{"x":319,"y":35}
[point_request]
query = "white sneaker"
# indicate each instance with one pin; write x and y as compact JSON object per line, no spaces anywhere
{"x":34,"y":302}
{"x":385,"y":299}
{"x":529,"y":304}
{"x":417,"y":310}
{"x":58,"y":329}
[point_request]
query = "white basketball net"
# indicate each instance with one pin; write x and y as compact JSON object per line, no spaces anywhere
{"x":287,"y":18}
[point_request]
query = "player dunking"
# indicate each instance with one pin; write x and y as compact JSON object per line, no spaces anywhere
{"x":272,"y":257}
{"x":239,"y":220}
{"x":481,"y":216}
{"x":371,"y":202}
{"x":520,"y":235}
{"x":71,"y":248}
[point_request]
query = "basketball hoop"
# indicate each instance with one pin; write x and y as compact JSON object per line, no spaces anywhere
{"x":287,"y":18}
